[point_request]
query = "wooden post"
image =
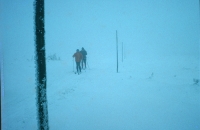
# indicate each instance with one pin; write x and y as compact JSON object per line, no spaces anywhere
{"x":117,"y":49}
{"x":122,"y":52}
{"x":41,"y":78}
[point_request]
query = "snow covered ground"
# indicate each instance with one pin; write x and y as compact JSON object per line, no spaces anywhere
{"x":141,"y":96}
{"x":153,"y":90}
{"x":102,"y":99}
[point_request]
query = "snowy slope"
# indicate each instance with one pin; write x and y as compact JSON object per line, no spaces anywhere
{"x":140,"y":96}
{"x":99,"y":99}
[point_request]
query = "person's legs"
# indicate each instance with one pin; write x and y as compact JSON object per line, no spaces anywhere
{"x":78,"y":67}
{"x":85,"y":62}
{"x":82,"y":63}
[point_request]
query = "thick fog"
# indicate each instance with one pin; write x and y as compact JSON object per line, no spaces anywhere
{"x":157,"y":28}
{"x":152,"y":32}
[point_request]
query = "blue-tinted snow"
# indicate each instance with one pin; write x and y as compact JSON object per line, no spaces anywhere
{"x":153,"y":90}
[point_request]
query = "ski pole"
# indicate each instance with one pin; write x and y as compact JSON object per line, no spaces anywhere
{"x":88,"y":65}
{"x":73,"y":63}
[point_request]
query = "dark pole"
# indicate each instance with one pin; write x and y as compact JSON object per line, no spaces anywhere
{"x":117,"y":49}
{"x":0,"y":92}
{"x":122,"y":52}
{"x":42,"y":108}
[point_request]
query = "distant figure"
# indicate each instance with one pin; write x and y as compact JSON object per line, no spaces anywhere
{"x":78,"y":57}
{"x":84,"y":53}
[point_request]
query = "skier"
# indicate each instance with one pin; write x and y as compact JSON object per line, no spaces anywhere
{"x":78,"y":57}
{"x":84,"y":53}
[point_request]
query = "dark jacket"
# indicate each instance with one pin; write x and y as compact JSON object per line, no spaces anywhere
{"x":84,"y":53}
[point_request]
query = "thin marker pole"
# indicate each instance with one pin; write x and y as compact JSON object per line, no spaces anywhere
{"x":117,"y":49}
{"x":122,"y":52}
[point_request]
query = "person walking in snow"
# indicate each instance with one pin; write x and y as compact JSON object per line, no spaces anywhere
{"x":78,"y":57}
{"x":84,"y":53}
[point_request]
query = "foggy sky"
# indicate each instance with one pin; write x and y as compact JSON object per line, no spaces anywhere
{"x":159,"y":27}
